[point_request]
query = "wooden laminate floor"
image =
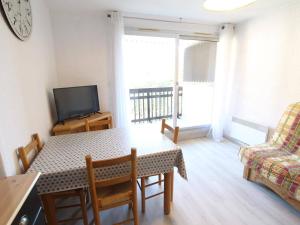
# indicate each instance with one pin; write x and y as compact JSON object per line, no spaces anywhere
{"x":215,"y":194}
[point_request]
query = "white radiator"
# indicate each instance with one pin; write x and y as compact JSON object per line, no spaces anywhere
{"x":246,"y":132}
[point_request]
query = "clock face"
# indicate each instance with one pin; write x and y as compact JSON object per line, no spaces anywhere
{"x":18,"y":13}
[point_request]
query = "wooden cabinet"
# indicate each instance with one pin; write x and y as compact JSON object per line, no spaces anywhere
{"x":20,"y":203}
{"x":31,"y":213}
{"x":78,"y":124}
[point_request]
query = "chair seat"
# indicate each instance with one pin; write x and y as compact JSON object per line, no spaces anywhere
{"x":115,"y":191}
{"x":283,"y":171}
{"x":114,"y":194}
{"x":254,"y":156}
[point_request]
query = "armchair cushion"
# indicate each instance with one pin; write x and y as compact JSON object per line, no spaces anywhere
{"x":286,"y":139}
{"x":283,"y":171}
{"x":253,"y":156}
{"x":278,"y":161}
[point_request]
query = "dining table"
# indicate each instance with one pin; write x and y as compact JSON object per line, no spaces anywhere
{"x":62,"y":165}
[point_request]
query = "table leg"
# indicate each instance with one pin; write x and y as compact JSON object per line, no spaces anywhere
{"x":167,"y":192}
{"x":49,"y":209}
{"x":172,"y":185}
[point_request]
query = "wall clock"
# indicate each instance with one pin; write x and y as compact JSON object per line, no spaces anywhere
{"x":18,"y":14}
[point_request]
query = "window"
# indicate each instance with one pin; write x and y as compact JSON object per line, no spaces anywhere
{"x":168,"y":76}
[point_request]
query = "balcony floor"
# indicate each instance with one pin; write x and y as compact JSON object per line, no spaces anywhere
{"x":181,"y":122}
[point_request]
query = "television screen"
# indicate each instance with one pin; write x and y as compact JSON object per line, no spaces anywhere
{"x":76,"y":101}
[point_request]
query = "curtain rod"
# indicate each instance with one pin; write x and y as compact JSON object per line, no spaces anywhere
{"x":159,"y":20}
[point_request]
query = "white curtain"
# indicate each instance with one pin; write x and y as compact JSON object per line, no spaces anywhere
{"x":223,"y":81}
{"x":119,"y":93}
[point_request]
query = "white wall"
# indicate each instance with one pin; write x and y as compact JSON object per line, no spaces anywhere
{"x":200,"y":62}
{"x":81,"y":51}
{"x":27,"y":77}
{"x":267,"y":74}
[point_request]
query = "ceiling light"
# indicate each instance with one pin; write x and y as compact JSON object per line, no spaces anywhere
{"x":226,"y":5}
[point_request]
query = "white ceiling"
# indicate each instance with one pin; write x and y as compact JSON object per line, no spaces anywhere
{"x":189,"y":10}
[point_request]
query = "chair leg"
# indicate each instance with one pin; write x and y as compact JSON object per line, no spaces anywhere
{"x":135,"y":210}
{"x":87,"y":196}
{"x":159,"y":179}
{"x":143,"y":194}
{"x":247,"y":173}
{"x":96,"y":216}
{"x":83,"y":207}
{"x":49,"y":208}
{"x":96,"y":211}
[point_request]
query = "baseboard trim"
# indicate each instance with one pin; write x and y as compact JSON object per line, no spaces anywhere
{"x":235,"y":141}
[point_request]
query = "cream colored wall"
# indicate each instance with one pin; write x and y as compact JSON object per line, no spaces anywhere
{"x":81,"y":51}
{"x":267,"y":73}
{"x":199,"y":62}
{"x":27,"y":76}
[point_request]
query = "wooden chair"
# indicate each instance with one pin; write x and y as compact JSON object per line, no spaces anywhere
{"x":175,"y":130}
{"x":32,"y":150}
{"x":99,"y":124}
{"x":143,"y":185}
{"x":113,"y":192}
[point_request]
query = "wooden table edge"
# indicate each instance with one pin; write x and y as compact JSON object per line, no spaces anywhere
{"x":17,"y":209}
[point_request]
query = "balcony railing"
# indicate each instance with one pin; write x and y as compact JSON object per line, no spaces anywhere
{"x":149,"y":104}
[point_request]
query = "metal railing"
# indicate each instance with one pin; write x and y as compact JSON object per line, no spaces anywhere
{"x":149,"y":104}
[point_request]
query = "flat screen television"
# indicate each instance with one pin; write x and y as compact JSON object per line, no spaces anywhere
{"x":76,"y":101}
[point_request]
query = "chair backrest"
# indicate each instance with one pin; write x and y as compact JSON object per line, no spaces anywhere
{"x":32,"y":149}
{"x":94,"y":183}
{"x":99,"y":124}
{"x":174,"y":131}
{"x":287,"y":133}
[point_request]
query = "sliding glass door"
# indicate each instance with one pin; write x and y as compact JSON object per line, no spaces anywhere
{"x":196,"y":70}
{"x":169,"y":77}
{"x":149,"y":67}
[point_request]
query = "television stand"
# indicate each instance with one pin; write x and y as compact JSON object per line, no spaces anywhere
{"x":76,"y":125}
{"x":84,"y":116}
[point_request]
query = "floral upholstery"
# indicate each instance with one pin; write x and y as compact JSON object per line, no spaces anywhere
{"x":254,"y":156}
{"x":287,"y":133}
{"x":285,"y":172}
{"x":279,"y":159}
